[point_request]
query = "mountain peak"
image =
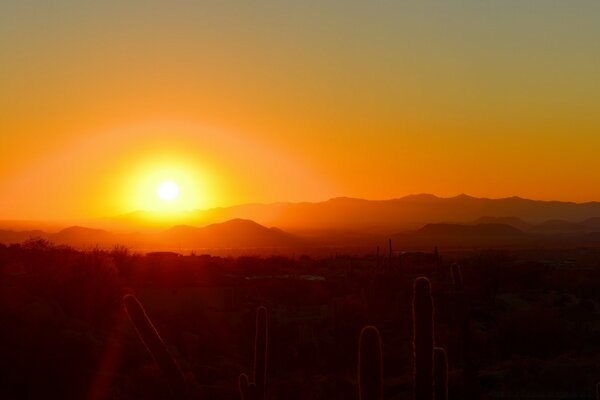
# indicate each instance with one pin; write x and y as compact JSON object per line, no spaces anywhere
{"x":463,"y":196}
{"x":76,"y":229}
{"x":234,"y":233}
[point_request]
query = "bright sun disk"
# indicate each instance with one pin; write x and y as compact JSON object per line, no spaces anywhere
{"x":167,"y":190}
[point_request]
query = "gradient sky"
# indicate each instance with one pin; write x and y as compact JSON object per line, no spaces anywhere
{"x":262,"y":101}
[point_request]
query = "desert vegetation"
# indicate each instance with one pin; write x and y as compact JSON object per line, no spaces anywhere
{"x":116,"y":325}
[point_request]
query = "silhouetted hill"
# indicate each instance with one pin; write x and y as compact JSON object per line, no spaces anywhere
{"x":78,"y":236}
{"x":470,"y":230}
{"x":236,"y":233}
{"x":593,"y":224}
{"x":511,"y":221}
{"x":9,"y":236}
{"x":463,"y":236}
{"x":559,"y":226}
{"x":552,"y":226}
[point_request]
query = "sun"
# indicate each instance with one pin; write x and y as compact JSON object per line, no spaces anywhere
{"x":167,"y":190}
{"x":166,"y":186}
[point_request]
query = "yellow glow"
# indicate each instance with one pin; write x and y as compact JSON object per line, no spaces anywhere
{"x":167,"y":190}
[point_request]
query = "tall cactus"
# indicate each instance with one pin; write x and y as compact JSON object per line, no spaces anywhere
{"x":456,"y":275}
{"x":430,"y":363}
{"x":440,"y":373}
{"x":155,"y":345}
{"x":423,"y":339}
{"x":370,"y":366}
{"x":255,"y":390}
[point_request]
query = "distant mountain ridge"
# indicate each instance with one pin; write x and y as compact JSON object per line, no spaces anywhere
{"x":351,"y":214}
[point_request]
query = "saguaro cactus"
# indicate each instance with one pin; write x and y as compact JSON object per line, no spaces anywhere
{"x":370,"y":366}
{"x":155,"y":345}
{"x":255,"y":389}
{"x":423,"y":339}
{"x":456,"y":274}
{"x":440,"y":373}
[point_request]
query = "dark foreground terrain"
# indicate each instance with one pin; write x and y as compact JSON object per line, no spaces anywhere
{"x":523,"y":325}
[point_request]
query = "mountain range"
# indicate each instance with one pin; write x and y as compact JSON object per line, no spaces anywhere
{"x":406,"y":213}
{"x":415,"y":221}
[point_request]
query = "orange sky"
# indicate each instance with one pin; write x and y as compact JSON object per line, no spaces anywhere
{"x":272,"y":101}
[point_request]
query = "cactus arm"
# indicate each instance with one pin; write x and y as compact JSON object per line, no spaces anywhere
{"x":155,"y":345}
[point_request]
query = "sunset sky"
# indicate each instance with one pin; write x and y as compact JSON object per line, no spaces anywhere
{"x":265,"y":101}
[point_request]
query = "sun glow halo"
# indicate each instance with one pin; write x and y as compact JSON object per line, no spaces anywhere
{"x":165,"y":186}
